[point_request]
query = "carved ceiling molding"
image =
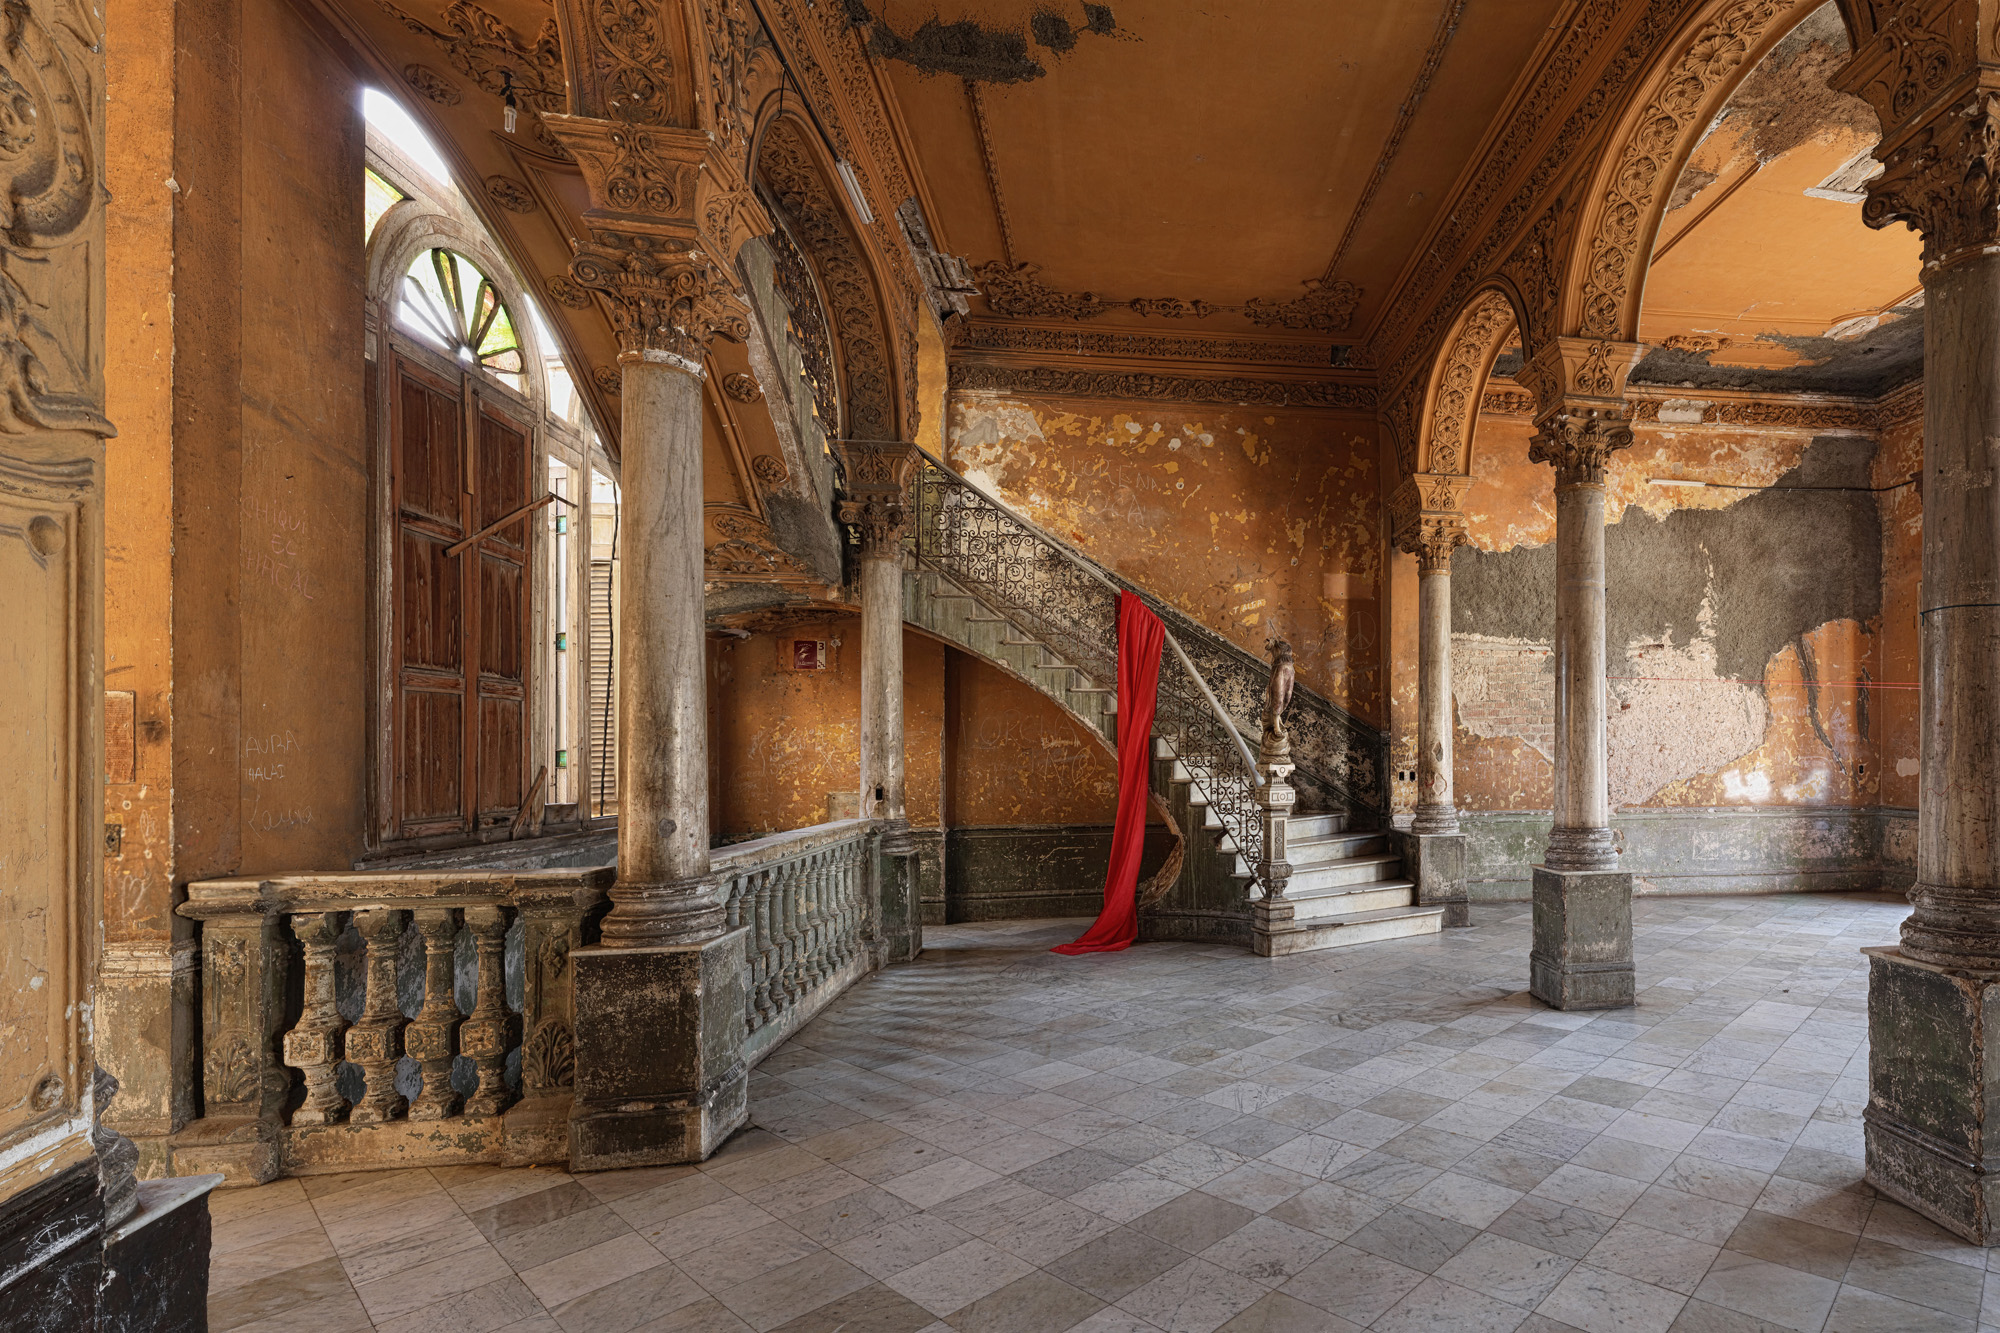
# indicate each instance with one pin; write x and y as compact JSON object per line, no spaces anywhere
{"x":485,"y":50}
{"x":1454,"y":398}
{"x":812,"y":31}
{"x":845,"y":279}
{"x":1465,"y":250}
{"x":1628,"y":209}
{"x":1017,"y":291}
{"x":1143,"y":386}
{"x":989,"y":336}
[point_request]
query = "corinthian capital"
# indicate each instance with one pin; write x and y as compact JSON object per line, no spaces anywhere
{"x":1426,"y":512}
{"x":1579,"y":389}
{"x":666,"y":303}
{"x":1578,"y":442}
{"x":1940,"y":179}
{"x":875,"y":497}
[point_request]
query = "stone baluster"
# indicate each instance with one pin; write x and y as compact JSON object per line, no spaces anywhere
{"x":314,"y":1046}
{"x":431,"y":1038}
{"x":376,"y":1042}
{"x":1932,"y":1125}
{"x":492,"y":1029}
{"x":761,"y":948}
{"x":1582,"y":953}
{"x":876,"y":501}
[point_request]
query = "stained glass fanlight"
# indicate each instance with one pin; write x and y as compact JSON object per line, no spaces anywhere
{"x":452,"y":305}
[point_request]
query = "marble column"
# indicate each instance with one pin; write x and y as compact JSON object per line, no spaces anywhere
{"x":1582,"y":954}
{"x":659,"y":1011}
{"x":1932,"y":1126}
{"x":875,"y":502}
{"x":664,"y":893}
{"x":1430,"y":526}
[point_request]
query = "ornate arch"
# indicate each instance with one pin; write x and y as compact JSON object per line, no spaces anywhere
{"x":871,"y":373}
{"x":1599,"y":292}
{"x":1451,"y":407}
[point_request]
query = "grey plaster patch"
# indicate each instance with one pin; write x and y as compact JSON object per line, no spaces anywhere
{"x":1777,"y":564}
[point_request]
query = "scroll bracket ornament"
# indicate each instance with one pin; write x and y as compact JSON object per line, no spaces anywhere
{"x":1580,"y":415}
{"x":876,"y":497}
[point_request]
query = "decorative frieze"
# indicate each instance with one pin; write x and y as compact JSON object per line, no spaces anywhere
{"x":1117,"y":384}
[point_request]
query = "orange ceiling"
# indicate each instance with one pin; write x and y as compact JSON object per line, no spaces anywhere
{"x":1213,"y":150}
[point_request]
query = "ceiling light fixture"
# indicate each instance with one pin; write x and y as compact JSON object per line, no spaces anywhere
{"x":509,"y":109}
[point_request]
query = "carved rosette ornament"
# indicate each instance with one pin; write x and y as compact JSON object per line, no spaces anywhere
{"x":875,"y":498}
{"x":1580,"y":418}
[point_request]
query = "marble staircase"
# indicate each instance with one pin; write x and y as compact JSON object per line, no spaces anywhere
{"x":1347,"y":886}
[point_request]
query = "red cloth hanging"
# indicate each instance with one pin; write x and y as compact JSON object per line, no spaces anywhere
{"x":1140,"y":638}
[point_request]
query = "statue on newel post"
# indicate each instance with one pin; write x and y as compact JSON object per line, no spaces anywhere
{"x":1275,"y":793}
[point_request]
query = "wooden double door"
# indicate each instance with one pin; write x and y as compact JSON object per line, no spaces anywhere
{"x":462,"y":462}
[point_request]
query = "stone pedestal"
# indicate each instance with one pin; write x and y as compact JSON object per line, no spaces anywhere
{"x":899,"y":923}
{"x":1436,"y":863}
{"x":1582,"y":955}
{"x":659,"y":1052}
{"x":1934,"y":1092}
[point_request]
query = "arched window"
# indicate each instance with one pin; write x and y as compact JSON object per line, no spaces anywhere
{"x":450,"y":304}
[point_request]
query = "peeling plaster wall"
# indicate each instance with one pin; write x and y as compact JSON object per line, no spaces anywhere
{"x":1014,"y":758}
{"x":1747,"y":629}
{"x":781,"y":740}
{"x":1258,"y":524}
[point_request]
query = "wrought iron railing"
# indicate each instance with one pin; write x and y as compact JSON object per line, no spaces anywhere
{"x":1056,"y":596}
{"x":1342,"y":761}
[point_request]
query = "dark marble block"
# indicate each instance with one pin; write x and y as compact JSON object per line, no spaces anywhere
{"x":1582,"y":954}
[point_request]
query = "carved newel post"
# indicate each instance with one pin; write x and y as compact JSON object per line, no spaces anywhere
{"x":876,"y":502}
{"x":1430,"y":526}
{"x":1933,"y":1120}
{"x":1272,"y":913}
{"x":1582,"y":954}
{"x":659,"y":1015}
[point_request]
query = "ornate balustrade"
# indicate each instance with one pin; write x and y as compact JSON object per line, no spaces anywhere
{"x":360,"y":1020}
{"x":355,"y":1020}
{"x":806,"y":897}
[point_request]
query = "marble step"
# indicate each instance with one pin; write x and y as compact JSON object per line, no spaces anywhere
{"x":1345,"y":870}
{"x":1307,"y":827}
{"x":1348,"y":899}
{"x":1394,"y":923}
{"x":1304,"y":853}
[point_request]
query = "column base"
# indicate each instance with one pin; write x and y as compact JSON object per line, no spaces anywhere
{"x":1436,"y":862}
{"x":1581,"y":849}
{"x":1932,"y":1092}
{"x":1582,"y":955}
{"x":660,"y":1077}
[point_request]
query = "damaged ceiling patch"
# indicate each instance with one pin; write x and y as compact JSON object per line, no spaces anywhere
{"x":970,"y":50}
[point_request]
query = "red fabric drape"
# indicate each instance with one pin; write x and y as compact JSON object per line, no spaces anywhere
{"x":1140,"y":638}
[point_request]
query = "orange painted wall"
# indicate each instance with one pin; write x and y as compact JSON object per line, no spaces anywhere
{"x":781,"y":740}
{"x":1684,"y":733}
{"x":1015,"y":758}
{"x":1258,"y":524}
